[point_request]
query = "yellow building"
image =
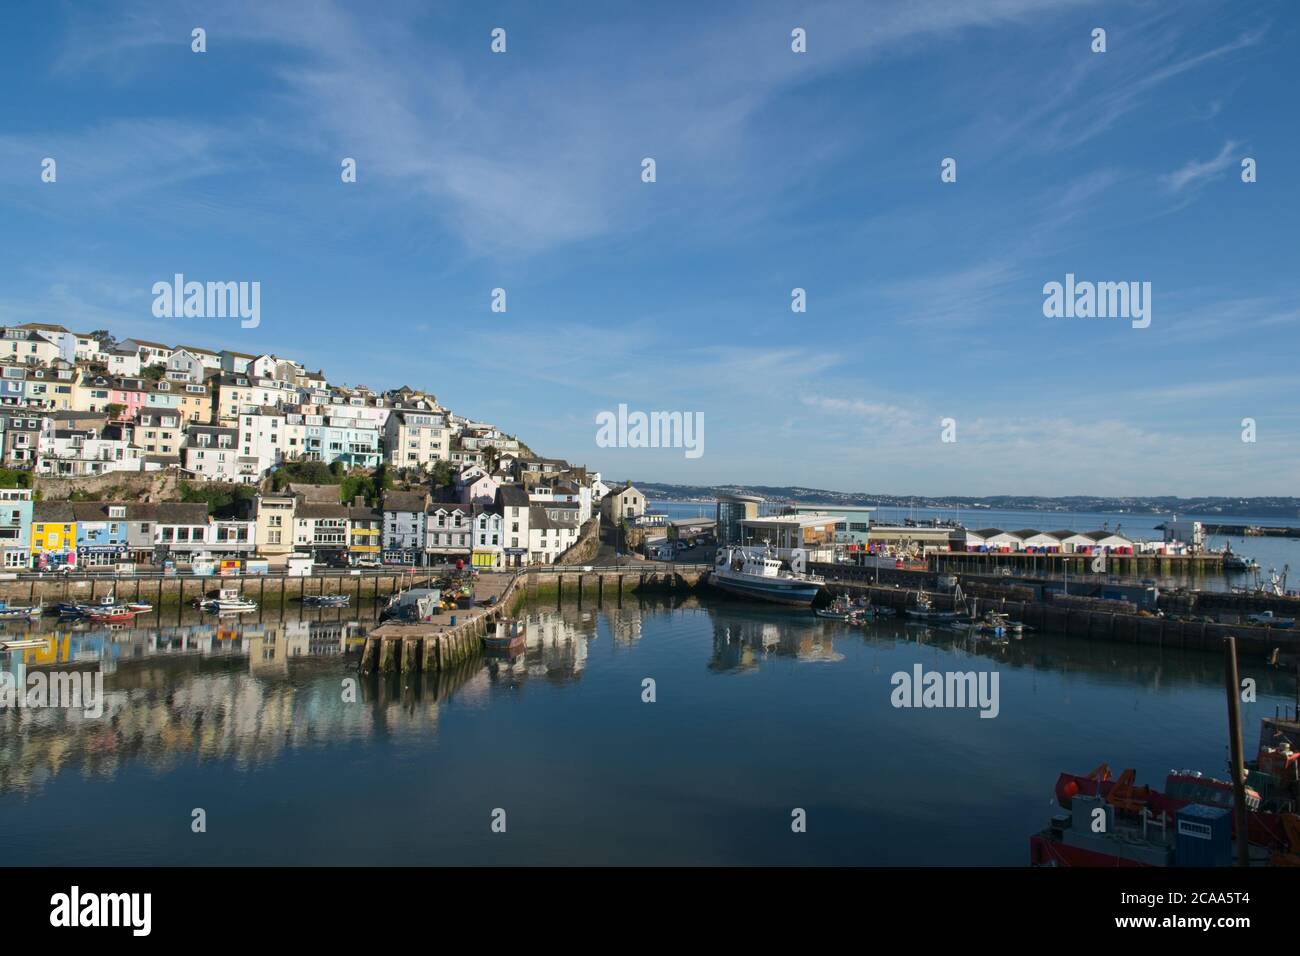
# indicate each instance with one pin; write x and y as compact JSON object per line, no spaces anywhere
{"x":54,"y":529}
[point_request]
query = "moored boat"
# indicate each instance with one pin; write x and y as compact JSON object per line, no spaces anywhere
{"x":23,"y":644}
{"x":228,"y":601}
{"x":840,"y":609}
{"x":326,"y":600}
{"x":1139,"y":823}
{"x":115,"y":614}
{"x":927,"y":612}
{"x":508,"y":638}
{"x":9,"y":612}
{"x":755,"y":573}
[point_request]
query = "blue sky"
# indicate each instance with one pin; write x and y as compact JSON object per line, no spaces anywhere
{"x":775,"y":170}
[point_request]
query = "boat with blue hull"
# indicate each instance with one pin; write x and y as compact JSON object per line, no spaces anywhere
{"x":760,"y":575}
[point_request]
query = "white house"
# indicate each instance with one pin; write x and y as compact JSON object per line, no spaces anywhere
{"x":549,"y":534}
{"x":121,"y":362}
{"x":211,"y":453}
{"x":185,"y":366}
{"x":262,"y":436}
{"x":80,"y":452}
{"x":513,"y":503}
{"x":151,"y":353}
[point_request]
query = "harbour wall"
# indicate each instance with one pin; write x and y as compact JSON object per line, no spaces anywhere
{"x":180,"y":589}
{"x":1091,"y":621}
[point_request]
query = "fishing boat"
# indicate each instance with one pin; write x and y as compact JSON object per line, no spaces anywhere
{"x":114,"y":614}
{"x":228,"y":601}
{"x":326,"y":600}
{"x":755,"y":573}
{"x":139,"y":607}
{"x":925,"y":610}
{"x":508,"y":638}
{"x":840,"y":609}
{"x":70,"y":609}
{"x":10,"y":613}
{"x":997,"y":624}
{"x":1141,"y":821}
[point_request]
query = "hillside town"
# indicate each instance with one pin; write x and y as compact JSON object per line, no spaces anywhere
{"x":264,"y":452}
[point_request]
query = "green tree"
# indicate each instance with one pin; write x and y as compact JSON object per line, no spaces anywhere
{"x":442,"y":473}
{"x":15,"y":478}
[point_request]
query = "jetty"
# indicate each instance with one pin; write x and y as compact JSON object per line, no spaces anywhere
{"x":450,"y":637}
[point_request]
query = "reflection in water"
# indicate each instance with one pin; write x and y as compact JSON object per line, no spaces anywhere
{"x":250,"y":695}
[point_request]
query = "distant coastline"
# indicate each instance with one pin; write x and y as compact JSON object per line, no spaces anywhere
{"x":1255,"y":507}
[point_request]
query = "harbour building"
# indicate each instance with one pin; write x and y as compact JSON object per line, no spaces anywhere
{"x":813,"y":533}
{"x":732,"y":510}
{"x":852,"y":522}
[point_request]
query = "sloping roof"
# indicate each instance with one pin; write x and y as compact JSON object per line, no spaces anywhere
{"x":512,"y":496}
{"x":317,"y":494}
{"x":405,"y":501}
{"x":53,"y":511}
{"x":320,"y":509}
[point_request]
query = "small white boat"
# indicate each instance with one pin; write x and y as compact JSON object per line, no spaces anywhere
{"x":22,"y":644}
{"x":228,"y":601}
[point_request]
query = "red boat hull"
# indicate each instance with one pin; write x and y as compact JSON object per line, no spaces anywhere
{"x":1046,"y":851}
{"x":1265,"y":828}
{"x":123,"y":618}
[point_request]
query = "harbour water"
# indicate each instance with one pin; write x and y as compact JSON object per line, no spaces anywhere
{"x":758,"y":711}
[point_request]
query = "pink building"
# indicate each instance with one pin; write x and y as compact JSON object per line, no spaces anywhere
{"x":131,"y":396}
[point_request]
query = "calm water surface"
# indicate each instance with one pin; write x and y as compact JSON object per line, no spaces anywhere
{"x":758,"y":711}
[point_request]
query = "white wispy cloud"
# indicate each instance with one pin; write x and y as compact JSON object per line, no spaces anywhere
{"x":1195,"y":171}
